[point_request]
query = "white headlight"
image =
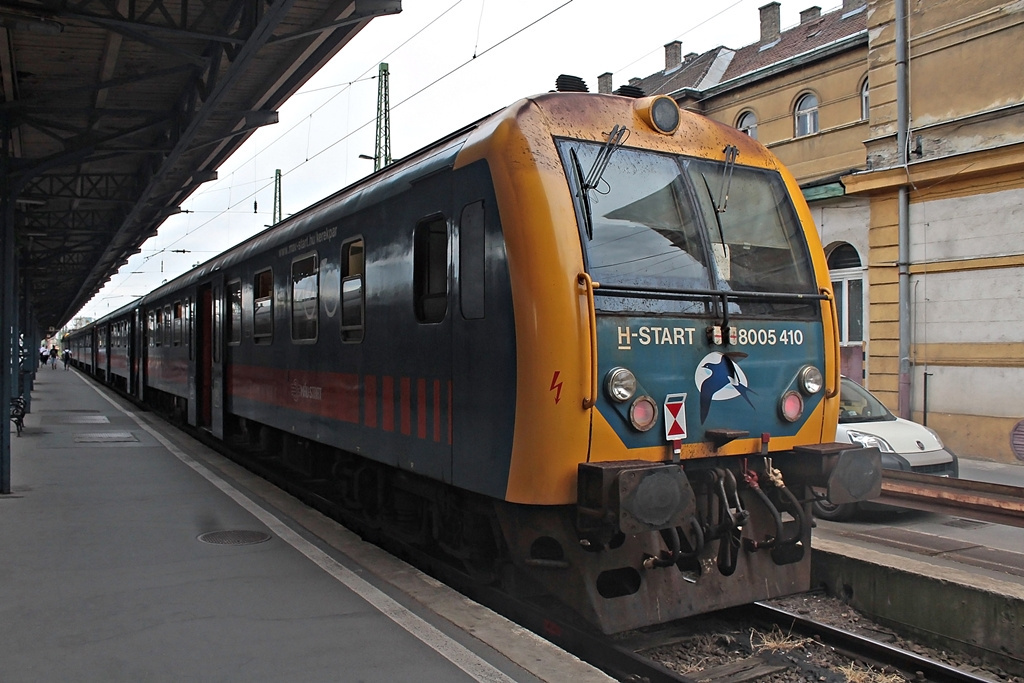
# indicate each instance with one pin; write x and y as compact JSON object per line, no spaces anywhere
{"x":810,"y":380}
{"x":620,"y":384}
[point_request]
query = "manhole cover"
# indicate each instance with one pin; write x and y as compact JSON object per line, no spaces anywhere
{"x":964,"y":524}
{"x":234,"y":537}
{"x":88,"y":420}
{"x":105,"y":437}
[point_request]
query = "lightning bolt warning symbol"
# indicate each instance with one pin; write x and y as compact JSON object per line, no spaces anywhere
{"x":556,"y":387}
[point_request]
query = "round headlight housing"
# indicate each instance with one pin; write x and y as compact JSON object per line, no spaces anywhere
{"x":810,"y":380}
{"x":643,"y":414}
{"x":791,"y":406}
{"x":620,"y":384}
{"x":660,"y":113}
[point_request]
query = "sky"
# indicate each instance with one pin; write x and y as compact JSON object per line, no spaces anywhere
{"x":451,"y":62}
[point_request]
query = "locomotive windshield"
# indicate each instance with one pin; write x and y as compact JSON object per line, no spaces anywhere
{"x":658,"y":222}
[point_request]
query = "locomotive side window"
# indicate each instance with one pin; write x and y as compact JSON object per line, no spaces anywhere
{"x":263,"y":307}
{"x":430,"y":270}
{"x":471,"y":261}
{"x":353,"y":300}
{"x":235,"y":312}
{"x":177,"y":323}
{"x":305,"y":298}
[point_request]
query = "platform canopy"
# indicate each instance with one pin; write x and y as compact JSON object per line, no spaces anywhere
{"x":113,"y":112}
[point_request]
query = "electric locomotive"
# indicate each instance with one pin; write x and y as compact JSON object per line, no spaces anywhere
{"x":586,"y":346}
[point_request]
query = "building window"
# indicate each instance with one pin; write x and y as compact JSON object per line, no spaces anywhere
{"x":748,"y":124}
{"x":353,"y":298}
{"x":847,"y":276}
{"x":430,"y":270}
{"x":305,"y":298}
{"x":807,"y":115}
{"x":864,"y":103}
{"x":263,"y":307}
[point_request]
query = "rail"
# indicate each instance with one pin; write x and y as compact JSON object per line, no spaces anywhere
{"x":983,"y":501}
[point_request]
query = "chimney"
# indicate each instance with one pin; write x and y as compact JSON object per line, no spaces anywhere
{"x":673,"y":55}
{"x":770,"y":22}
{"x":809,"y":15}
{"x":635,"y":81}
{"x":604,"y":82}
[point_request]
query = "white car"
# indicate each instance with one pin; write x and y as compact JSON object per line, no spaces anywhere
{"x":905,"y":445}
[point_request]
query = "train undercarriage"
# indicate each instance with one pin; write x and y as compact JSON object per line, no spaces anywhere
{"x":736,"y":534}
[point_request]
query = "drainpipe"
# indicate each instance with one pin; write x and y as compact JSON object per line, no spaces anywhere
{"x":902,"y":133}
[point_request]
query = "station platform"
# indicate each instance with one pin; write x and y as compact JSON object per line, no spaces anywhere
{"x":129,"y":551}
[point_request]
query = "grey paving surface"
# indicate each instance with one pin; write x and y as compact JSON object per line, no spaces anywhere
{"x":103,"y":575}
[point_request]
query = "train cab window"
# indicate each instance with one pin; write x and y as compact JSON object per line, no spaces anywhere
{"x":353,"y":298}
{"x":263,"y":307}
{"x":177,"y":324}
{"x":234,"y":290}
{"x":158,"y":326}
{"x":305,"y":298}
{"x":430,"y":270}
{"x":471,"y":261}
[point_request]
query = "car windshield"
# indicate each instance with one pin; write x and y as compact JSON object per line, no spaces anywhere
{"x":857,"y":404}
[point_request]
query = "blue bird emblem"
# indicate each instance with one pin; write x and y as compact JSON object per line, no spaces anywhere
{"x":720,"y":378}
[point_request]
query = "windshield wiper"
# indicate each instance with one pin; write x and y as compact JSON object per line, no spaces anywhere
{"x":731,"y":152}
{"x":615,"y":140}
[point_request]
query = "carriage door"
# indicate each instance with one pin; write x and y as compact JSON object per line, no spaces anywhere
{"x":424,"y":387}
{"x":210,"y":358}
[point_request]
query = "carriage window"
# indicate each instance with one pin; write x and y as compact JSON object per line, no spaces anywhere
{"x":158,"y":326}
{"x":353,"y":299}
{"x":235,"y":312}
{"x":263,"y":307}
{"x":430,"y":270}
{"x":305,"y":298}
{"x":176,"y":329}
{"x":471,"y":261}
{"x":167,"y":326}
{"x":188,"y":327}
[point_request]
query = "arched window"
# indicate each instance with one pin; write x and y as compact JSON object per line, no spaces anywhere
{"x":748,"y":124}
{"x":864,"y":104}
{"x":847,"y":275}
{"x":807,"y":115}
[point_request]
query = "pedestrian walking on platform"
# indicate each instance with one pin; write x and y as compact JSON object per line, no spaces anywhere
{"x":53,"y":357}
{"x":66,"y":357}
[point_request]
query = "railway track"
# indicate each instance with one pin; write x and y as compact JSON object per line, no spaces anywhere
{"x":784,"y":646}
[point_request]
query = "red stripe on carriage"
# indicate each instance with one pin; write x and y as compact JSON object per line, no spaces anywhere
{"x":406,"y":405}
{"x":421,"y":408}
{"x":437,"y":410}
{"x":370,"y":401}
{"x":388,"y":403}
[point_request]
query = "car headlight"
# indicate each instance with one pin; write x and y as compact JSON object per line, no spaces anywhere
{"x":869,"y":441}
{"x":936,"y":435}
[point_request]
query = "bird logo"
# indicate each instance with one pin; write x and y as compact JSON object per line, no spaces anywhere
{"x":720,"y":378}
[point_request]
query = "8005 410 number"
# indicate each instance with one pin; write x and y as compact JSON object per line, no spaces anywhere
{"x":769,"y":337}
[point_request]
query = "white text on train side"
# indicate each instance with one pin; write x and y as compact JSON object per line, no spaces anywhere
{"x":659,"y":336}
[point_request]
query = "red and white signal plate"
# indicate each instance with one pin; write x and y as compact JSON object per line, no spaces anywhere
{"x":675,"y":417}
